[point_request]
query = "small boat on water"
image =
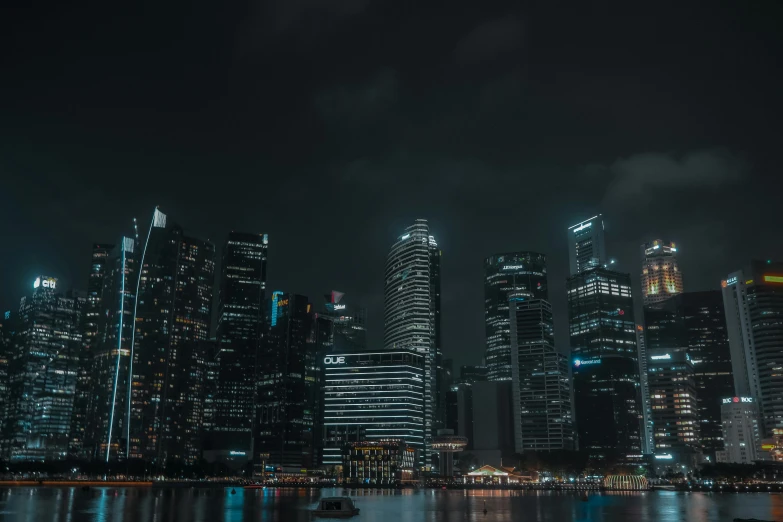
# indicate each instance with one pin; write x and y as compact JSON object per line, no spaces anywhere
{"x":336,"y":507}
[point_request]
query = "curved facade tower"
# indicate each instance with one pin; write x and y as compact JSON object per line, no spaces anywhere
{"x":412,"y":308}
{"x":520,"y":273}
{"x":661,"y":276}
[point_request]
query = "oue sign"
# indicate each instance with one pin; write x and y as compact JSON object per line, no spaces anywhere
{"x":334,"y":360}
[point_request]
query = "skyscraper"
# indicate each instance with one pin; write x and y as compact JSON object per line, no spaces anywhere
{"x":43,"y":370}
{"x":694,"y":322}
{"x":661,"y":276}
{"x":91,"y":320}
{"x":348,"y":331}
{"x":741,"y":430}
{"x":607,"y":395}
{"x":372,"y":395}
{"x":540,"y":384}
{"x":647,"y":427}
{"x":753,"y":300}
{"x":241,"y":330}
{"x":148,"y":373}
{"x":586,"y":248}
{"x":109,"y":382}
{"x":412,"y":308}
{"x":504,"y":274}
{"x":674,"y":404}
{"x":173,"y":316}
{"x":287,"y":392}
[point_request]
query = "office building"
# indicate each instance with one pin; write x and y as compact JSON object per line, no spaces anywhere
{"x":373,"y":396}
{"x":287,"y":393}
{"x":521,"y":273}
{"x":607,"y":394}
{"x":647,"y":426}
{"x":109,"y":400}
{"x":43,"y":370}
{"x":380,"y":462}
{"x":694,"y":322}
{"x":753,"y":301}
{"x":241,"y":329}
{"x":661,"y":276}
{"x":741,"y":430}
{"x":6,"y":336}
{"x":469,"y":374}
{"x":348,"y":329}
{"x":91,"y":320}
{"x":412,"y":309}
{"x":586,"y":248}
{"x":674,"y":404}
{"x":540,"y":381}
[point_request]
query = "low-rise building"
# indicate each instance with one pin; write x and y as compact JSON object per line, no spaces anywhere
{"x":379,"y":462}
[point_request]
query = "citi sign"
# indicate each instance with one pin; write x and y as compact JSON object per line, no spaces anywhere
{"x":334,"y":360}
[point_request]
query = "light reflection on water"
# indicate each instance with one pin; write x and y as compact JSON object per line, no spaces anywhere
{"x":294,"y":505}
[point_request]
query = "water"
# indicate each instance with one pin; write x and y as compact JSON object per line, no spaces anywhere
{"x":293,"y":505}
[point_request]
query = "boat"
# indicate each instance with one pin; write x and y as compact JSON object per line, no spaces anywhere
{"x":336,"y":507}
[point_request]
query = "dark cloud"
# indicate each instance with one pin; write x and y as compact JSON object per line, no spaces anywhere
{"x":488,"y":40}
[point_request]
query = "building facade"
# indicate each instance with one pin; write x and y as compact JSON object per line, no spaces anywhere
{"x":505,"y":274}
{"x":379,"y":462}
{"x":753,"y":301}
{"x":241,"y":330}
{"x":43,"y":369}
{"x":287,"y":393}
{"x":540,"y":381}
{"x":741,"y":430}
{"x":91,"y":321}
{"x":661,"y":276}
{"x":607,"y":394}
{"x":373,"y":396}
{"x":675,"y":414}
{"x":586,"y":248}
{"x":412,"y":310}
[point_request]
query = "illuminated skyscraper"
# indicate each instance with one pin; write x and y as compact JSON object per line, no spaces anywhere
{"x":348,"y":324}
{"x":607,"y":393}
{"x":43,"y":370}
{"x":586,"y":248}
{"x":412,"y":307}
{"x":753,"y":300}
{"x":91,"y":319}
{"x":504,"y":274}
{"x":661,"y":277}
{"x":240,"y":334}
{"x":540,"y":383}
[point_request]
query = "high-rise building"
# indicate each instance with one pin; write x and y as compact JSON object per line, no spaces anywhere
{"x":348,"y":331}
{"x":412,"y":309}
{"x":6,"y":337}
{"x":505,"y":274}
{"x":372,"y":396}
{"x":241,"y":328}
{"x":647,"y":426}
{"x":148,"y":372}
{"x":43,"y":371}
{"x":109,"y":398}
{"x":540,"y":381}
{"x":607,"y":394}
{"x":741,"y":430}
{"x":468,"y":374}
{"x":753,"y":301}
{"x":91,"y":321}
{"x":661,"y":276}
{"x":586,"y":248}
{"x":675,"y":413}
{"x":694,"y":322}
{"x":287,"y":394}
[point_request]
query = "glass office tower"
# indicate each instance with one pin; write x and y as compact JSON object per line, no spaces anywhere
{"x":506,"y":274}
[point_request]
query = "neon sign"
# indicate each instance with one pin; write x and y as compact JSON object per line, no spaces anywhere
{"x":738,"y":400}
{"x":659,"y":357}
{"x":46,"y":282}
{"x":579,"y":362}
{"x":731,"y":281}
{"x":513,"y":267}
{"x":339,"y":307}
{"x":334,"y":360}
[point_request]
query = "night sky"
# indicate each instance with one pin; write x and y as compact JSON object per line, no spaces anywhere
{"x":332,"y":124}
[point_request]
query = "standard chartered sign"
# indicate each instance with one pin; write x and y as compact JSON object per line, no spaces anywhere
{"x":334,"y":360}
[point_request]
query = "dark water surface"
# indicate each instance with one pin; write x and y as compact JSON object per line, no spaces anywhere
{"x":284,"y":505}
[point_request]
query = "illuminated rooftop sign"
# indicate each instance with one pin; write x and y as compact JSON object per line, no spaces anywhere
{"x":738,"y":400}
{"x":513,"y":267}
{"x":665,"y":456}
{"x":579,"y":362}
{"x":659,"y":357}
{"x":731,"y":281}
{"x":770,"y":278}
{"x":334,"y":360}
{"x":46,"y":282}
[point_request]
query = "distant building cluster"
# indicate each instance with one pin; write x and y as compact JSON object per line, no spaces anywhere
{"x":132,"y":370}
